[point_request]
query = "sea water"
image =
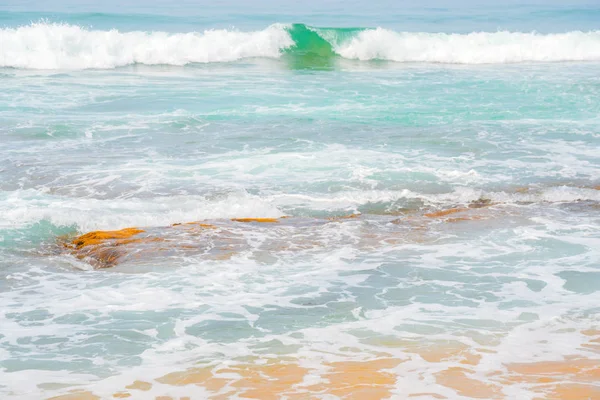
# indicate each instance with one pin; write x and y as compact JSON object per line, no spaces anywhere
{"x":438,"y":165}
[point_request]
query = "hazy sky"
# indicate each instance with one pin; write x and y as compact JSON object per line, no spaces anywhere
{"x":428,"y":15}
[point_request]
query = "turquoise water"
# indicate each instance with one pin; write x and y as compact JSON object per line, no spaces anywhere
{"x":151,"y":114}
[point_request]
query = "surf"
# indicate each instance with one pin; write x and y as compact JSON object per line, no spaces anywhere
{"x":57,"y":46}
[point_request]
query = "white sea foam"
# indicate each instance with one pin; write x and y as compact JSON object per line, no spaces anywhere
{"x":24,"y":208}
{"x":349,"y":200}
{"x":62,"y":46}
{"x":27,"y":207}
{"x":190,"y":305}
{"x":472,"y":48}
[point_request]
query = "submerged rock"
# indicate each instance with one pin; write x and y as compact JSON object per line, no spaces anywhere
{"x":262,"y":220}
{"x":265,"y":240}
{"x":99,"y":237}
{"x":103,"y":249}
{"x":225,"y":239}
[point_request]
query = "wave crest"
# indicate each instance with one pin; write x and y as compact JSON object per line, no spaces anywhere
{"x":62,"y":46}
{"x":472,"y":48}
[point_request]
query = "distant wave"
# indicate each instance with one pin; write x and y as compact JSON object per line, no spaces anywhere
{"x":62,"y":46}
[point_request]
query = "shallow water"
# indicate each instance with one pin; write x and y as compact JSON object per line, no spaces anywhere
{"x":440,"y":188}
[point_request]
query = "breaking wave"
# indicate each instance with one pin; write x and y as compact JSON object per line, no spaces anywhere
{"x":46,"y":45}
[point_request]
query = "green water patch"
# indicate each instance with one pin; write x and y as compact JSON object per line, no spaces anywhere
{"x":33,"y":235}
{"x":314,"y":48}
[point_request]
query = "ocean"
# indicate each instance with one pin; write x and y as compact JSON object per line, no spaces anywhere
{"x":299,"y":200}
